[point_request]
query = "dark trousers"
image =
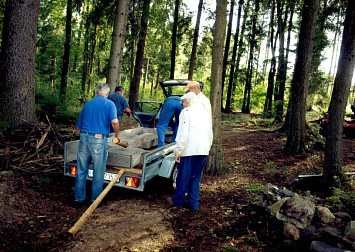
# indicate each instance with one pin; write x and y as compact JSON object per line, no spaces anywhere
{"x":188,"y":180}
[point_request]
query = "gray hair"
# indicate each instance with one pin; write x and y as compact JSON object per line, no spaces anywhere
{"x":103,"y":89}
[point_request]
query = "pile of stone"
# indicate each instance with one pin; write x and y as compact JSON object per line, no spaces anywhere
{"x":306,"y":219}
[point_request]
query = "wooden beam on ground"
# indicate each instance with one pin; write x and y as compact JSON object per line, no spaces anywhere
{"x":94,"y":205}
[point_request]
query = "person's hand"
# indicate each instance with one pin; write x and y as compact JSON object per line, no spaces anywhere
{"x":177,"y":158}
{"x":119,"y":138}
{"x":128,"y":111}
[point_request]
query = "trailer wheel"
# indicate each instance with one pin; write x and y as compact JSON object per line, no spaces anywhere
{"x":173,"y":177}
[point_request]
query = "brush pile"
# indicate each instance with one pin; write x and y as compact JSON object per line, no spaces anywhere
{"x":35,"y":148}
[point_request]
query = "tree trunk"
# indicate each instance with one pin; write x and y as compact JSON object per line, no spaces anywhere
{"x":282,"y":70}
{"x":333,"y":160}
{"x":226,"y":48}
{"x":76,"y":57}
{"x":247,"y":90}
{"x":234,"y":55}
{"x":134,"y":87}
{"x":173,"y":39}
{"x":296,"y":130}
{"x":145,"y":77}
{"x":52,"y":69}
{"x":337,"y":29}
{"x":66,"y":55}
{"x":85,"y":62}
{"x":194,"y":44}
{"x":240,"y":47}
{"x":287,"y":117}
{"x":134,"y":31}
{"x":118,"y":40}
{"x":215,"y":162}
{"x":271,"y":76}
{"x":17,"y":64}
{"x":92,"y":58}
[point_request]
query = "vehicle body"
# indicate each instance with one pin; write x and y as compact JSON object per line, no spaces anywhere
{"x":147,"y":112}
{"x":144,"y":165}
{"x":348,"y":126}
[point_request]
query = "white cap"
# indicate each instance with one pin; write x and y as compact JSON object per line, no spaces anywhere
{"x":188,"y":96}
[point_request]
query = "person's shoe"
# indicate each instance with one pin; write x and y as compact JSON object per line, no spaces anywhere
{"x":169,"y":200}
{"x":78,"y":204}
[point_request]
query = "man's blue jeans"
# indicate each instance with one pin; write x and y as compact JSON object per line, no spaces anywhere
{"x":171,"y":107}
{"x":93,"y":150}
{"x":188,"y":180}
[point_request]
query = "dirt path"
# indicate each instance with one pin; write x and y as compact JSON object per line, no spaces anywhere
{"x":36,"y":212}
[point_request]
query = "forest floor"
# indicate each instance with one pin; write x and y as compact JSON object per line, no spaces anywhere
{"x":36,"y":199}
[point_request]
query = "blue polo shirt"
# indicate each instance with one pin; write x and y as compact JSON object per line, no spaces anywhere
{"x":120,"y":102}
{"x":97,"y":115}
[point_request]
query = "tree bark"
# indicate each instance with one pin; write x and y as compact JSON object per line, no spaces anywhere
{"x":194,"y":44}
{"x":296,"y":130}
{"x":66,"y":55}
{"x":282,"y":68}
{"x":333,"y":160}
{"x":173,"y":40}
{"x":118,"y":40}
{"x":85,"y":61}
{"x":134,"y":86}
{"x":240,"y":48}
{"x":234,"y":55}
{"x":215,"y":162}
{"x":226,"y":48}
{"x":271,"y":76}
{"x":145,"y":77}
{"x":17,"y":64}
{"x":287,"y":116}
{"x":247,"y":90}
{"x":92,"y":58}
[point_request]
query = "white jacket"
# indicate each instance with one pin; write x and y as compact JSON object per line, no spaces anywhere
{"x":206,"y":104}
{"x":194,"y":136}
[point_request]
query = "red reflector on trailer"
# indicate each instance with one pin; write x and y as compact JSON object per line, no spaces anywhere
{"x":132,"y":182}
{"x":72,"y":170}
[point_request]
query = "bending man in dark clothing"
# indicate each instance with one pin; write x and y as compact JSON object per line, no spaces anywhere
{"x":172,"y":106}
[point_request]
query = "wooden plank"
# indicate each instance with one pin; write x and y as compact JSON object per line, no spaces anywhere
{"x":94,"y":205}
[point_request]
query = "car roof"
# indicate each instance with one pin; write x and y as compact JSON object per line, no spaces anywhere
{"x":169,"y":84}
{"x":179,"y":82}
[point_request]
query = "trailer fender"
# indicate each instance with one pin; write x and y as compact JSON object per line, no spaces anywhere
{"x":167,"y":166}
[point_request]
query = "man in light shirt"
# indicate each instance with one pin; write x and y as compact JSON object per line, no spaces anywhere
{"x":193,"y":143}
{"x":194,"y":86}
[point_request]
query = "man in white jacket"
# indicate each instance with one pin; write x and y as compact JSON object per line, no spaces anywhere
{"x":193,"y":143}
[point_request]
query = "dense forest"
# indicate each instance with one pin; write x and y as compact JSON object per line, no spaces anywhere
{"x":280,"y":58}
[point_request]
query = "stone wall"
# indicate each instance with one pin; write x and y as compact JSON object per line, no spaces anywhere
{"x":306,"y":219}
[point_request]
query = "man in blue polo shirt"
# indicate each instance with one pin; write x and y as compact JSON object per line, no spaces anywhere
{"x":94,"y":124}
{"x":121,"y":103}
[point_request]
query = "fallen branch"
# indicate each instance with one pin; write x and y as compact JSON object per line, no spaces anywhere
{"x":30,"y":133}
{"x":43,"y":138}
{"x":55,"y":134}
{"x":42,"y":159}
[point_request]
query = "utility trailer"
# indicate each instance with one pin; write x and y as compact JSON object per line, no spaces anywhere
{"x":141,"y":160}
